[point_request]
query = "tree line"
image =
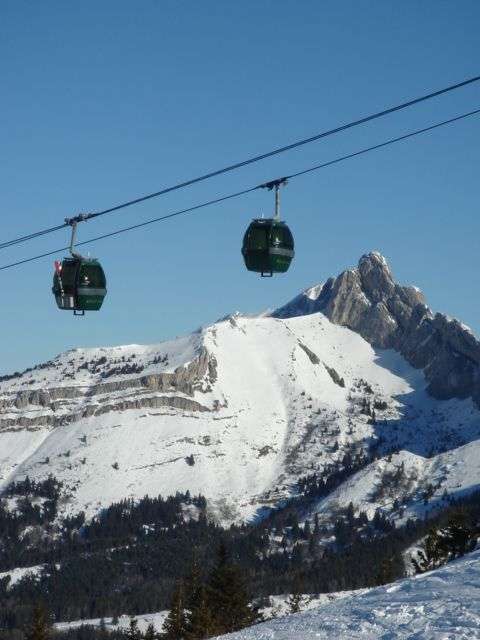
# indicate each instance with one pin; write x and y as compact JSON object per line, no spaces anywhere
{"x":133,"y":556}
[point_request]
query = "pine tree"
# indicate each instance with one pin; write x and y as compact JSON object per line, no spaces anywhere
{"x":133,"y":632}
{"x":294,"y":602}
{"x":455,"y":539}
{"x":307,"y":529}
{"x":175,"y":625}
{"x":193,"y":585}
{"x":201,"y":622}
{"x":150,"y":633}
{"x":295,"y":599}
{"x":432,"y":555}
{"x":388,"y":571}
{"x":459,"y":537}
{"x":40,"y":627}
{"x":350,"y":513}
{"x":227,"y":597}
{"x":103,"y":632}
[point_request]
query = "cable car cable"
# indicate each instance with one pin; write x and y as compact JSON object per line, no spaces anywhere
{"x":251,"y":189}
{"x":288,"y":147}
{"x":384,"y":144}
{"x":31,"y":236}
{"x":136,"y":226}
{"x":249,"y":161}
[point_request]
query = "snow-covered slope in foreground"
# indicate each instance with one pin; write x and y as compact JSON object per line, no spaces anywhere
{"x":443,"y":604}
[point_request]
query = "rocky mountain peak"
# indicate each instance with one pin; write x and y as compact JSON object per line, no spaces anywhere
{"x":375,"y":276}
{"x":392,"y":316}
{"x":366,"y":300}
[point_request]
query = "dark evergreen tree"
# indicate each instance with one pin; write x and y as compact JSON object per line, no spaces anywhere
{"x":133,"y":632}
{"x":201,"y":620}
{"x":40,"y":628}
{"x":388,"y":571}
{"x":150,"y":633}
{"x":227,"y":596}
{"x":103,"y":631}
{"x":193,"y":585}
{"x":454,"y":539}
{"x":296,"y":599}
{"x":432,"y":555}
{"x":175,"y":625}
{"x":350,"y":513}
{"x":307,"y":530}
{"x":459,"y":536}
{"x":294,"y":602}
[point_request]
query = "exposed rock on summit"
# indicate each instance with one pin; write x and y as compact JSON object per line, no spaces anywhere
{"x":391,"y":316}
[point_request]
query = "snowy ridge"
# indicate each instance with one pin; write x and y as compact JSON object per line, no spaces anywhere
{"x":455,"y":472}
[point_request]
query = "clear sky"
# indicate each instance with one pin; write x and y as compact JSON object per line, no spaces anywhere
{"x":104,"y":101}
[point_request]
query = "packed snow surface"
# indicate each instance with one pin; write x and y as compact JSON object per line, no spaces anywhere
{"x":440,"y":605}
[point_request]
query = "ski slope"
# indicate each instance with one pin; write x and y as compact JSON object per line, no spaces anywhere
{"x":440,"y":605}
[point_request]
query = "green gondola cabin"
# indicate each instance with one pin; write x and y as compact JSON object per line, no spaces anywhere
{"x":268,"y":246}
{"x":79,"y":284}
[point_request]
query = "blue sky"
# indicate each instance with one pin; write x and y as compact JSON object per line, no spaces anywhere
{"x":102,"y":102}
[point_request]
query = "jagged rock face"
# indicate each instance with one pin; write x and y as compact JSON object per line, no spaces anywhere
{"x":366,"y":300}
{"x":57,"y":406}
{"x":390,"y":316}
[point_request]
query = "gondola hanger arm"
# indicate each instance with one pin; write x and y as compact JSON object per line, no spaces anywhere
{"x":73,"y":222}
{"x":274,"y":184}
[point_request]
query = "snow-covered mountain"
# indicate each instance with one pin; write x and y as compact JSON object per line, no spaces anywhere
{"x":442,"y":604}
{"x":240,"y":410}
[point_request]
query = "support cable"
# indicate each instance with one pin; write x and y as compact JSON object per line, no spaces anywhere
{"x":243,"y":163}
{"x":266,"y":185}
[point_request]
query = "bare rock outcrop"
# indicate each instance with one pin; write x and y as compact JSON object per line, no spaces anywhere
{"x":391,"y":316}
{"x":62,"y":405}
